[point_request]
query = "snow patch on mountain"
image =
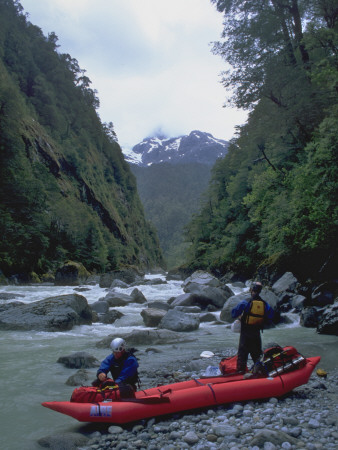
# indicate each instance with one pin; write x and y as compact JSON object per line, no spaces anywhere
{"x":198,"y":146}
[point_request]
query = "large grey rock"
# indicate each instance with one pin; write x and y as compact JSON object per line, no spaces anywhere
{"x":231,"y":303}
{"x":189,"y":309}
{"x":288,"y":282}
{"x":117,"y":299}
{"x":119,"y":284}
{"x":152,"y":317}
{"x":110,"y":316}
{"x":129,"y":276}
{"x":202,"y":278}
{"x":78,"y":360}
{"x":328,"y":323}
{"x":137,"y":296}
{"x":324,"y":294}
{"x":208,"y":296}
{"x":184,"y":300}
{"x":148,"y":337}
{"x":100,"y":307}
{"x":309,"y":317}
{"x":80,"y":378}
{"x":179,"y":321}
{"x":58,"y":313}
{"x":157,"y":304}
{"x":71,"y":274}
{"x":268,"y":296}
{"x":297,"y":302}
{"x":207,"y":317}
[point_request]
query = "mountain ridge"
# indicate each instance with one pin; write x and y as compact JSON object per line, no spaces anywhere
{"x":197,"y":146}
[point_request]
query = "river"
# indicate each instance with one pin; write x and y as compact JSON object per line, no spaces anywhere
{"x":30,"y":373}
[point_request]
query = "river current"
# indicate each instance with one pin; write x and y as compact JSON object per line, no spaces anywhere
{"x":30,"y":373}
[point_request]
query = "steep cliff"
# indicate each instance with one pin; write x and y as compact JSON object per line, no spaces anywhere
{"x":65,"y":190}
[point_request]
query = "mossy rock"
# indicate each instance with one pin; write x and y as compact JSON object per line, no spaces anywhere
{"x":34,"y":277}
{"x":71,"y":273}
{"x":3,"y":279}
{"x":47,"y":278}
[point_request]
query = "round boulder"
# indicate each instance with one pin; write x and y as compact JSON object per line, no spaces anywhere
{"x":231,"y":303}
{"x":152,"y":317}
{"x":179,"y":321}
{"x":71,"y":274}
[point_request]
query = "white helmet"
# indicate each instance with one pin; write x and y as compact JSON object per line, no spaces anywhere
{"x":118,"y":345}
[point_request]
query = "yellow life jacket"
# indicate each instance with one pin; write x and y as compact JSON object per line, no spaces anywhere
{"x":255,"y":314}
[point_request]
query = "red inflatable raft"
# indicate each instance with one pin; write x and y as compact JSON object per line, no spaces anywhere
{"x":187,"y":395}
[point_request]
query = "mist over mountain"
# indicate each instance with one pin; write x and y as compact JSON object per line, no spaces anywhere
{"x":197,"y":147}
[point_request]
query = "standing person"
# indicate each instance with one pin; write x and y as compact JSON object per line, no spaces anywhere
{"x":122,"y":365}
{"x":253,"y":312}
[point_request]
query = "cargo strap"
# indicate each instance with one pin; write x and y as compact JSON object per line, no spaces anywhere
{"x":213,"y":392}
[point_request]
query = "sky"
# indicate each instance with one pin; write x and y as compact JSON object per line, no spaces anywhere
{"x":149,"y":60}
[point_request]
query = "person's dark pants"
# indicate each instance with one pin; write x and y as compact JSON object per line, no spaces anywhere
{"x":249,"y":343}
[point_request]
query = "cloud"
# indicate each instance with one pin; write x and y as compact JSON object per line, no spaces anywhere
{"x":150,"y":61}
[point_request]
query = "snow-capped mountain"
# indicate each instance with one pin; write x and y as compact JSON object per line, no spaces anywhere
{"x":196,"y":147}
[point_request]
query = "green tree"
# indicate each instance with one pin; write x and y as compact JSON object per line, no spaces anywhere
{"x":270,"y":197}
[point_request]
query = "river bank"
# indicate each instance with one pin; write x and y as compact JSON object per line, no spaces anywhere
{"x":307,"y":418}
{"x":30,"y":373}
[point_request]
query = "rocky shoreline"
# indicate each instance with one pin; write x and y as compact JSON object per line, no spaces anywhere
{"x":306,"y":418}
{"x":204,"y":295}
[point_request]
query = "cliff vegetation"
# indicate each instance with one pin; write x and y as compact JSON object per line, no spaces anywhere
{"x":65,"y":190}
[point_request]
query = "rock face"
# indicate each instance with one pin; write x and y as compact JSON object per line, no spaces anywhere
{"x":59,"y":313}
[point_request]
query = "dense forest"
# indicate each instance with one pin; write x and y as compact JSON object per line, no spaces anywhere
{"x":171,"y":194}
{"x":65,"y":190}
{"x":272,"y":201}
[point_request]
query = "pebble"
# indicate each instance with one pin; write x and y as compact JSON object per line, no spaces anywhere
{"x":305,"y":419}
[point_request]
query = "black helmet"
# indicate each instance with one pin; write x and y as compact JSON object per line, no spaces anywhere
{"x":256,"y":287}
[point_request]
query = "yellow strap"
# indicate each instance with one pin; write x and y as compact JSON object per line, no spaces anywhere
{"x":110,"y":387}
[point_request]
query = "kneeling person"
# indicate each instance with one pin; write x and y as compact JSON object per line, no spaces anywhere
{"x":122,"y":365}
